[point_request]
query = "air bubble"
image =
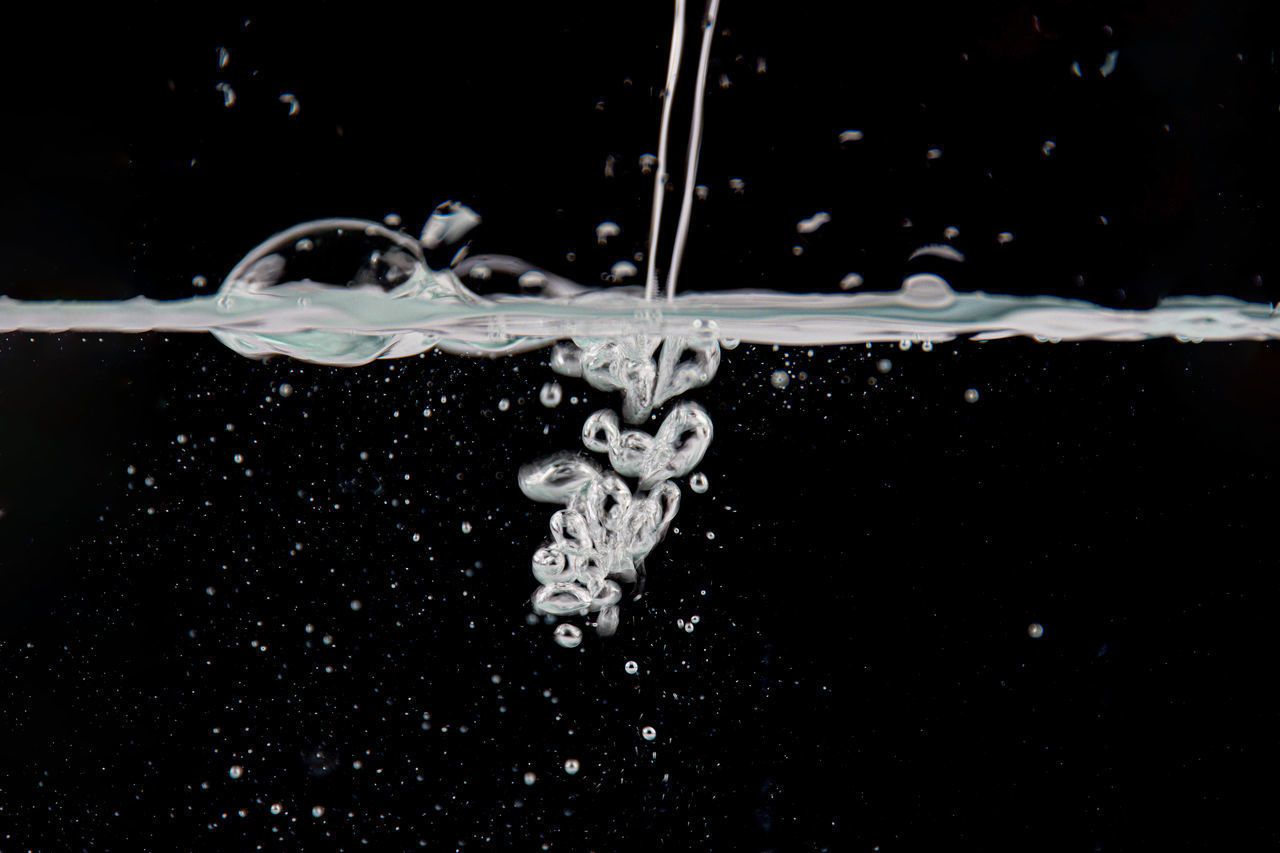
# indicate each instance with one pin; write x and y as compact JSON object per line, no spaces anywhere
{"x":631,"y":667}
{"x":699,"y":483}
{"x":648,"y":733}
{"x":567,"y":635}
{"x":551,"y":394}
{"x":780,"y":379}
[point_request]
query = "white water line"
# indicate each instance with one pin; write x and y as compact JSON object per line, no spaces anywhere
{"x":695,"y":145}
{"x":660,"y":179}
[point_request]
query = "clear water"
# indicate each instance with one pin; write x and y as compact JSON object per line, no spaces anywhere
{"x":942,"y":573}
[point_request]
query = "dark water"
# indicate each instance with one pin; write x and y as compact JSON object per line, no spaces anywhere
{"x":861,"y":673}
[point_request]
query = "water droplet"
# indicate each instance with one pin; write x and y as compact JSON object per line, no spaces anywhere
{"x":466,"y":527}
{"x":699,"y":483}
{"x":228,"y":94}
{"x":504,"y":404}
{"x":285,"y":389}
{"x":605,"y":230}
{"x":813,"y":223}
{"x":850,"y":281}
{"x":780,"y":379}
{"x":567,"y":635}
{"x":276,"y":808}
{"x":448,"y":224}
{"x":884,"y":365}
{"x":1035,"y":630}
{"x":1004,"y":237}
{"x":224,"y":56}
{"x":971,"y":395}
{"x":622,"y":269}
{"x":737,"y":185}
{"x":236,"y":771}
{"x":356,"y":604}
{"x":317,"y":811}
{"x":530,"y":777}
{"x":851,"y":135}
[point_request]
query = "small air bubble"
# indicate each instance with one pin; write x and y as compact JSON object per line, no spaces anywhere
{"x":648,"y":733}
{"x":780,"y":379}
{"x":631,"y":667}
{"x":567,"y":635}
{"x":550,"y":395}
{"x":699,"y":483}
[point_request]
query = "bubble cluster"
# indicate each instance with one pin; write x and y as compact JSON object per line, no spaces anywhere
{"x":599,"y":540}
{"x":646,"y":377}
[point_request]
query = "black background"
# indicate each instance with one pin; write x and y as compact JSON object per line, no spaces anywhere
{"x":860,"y":676}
